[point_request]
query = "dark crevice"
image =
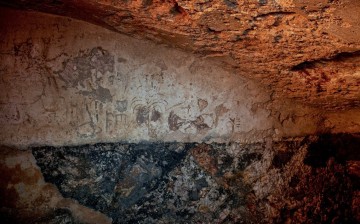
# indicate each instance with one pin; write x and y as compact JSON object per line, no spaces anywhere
{"x":231,"y":3}
{"x":278,"y":14}
{"x":211,"y":30}
{"x":343,"y":56}
{"x":177,"y":10}
{"x":303,"y":65}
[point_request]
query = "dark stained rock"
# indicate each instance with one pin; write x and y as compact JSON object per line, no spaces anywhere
{"x":109,"y":177}
{"x":211,"y":183}
{"x":342,"y":147}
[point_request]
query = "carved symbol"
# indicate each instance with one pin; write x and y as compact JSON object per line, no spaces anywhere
{"x":115,"y":121}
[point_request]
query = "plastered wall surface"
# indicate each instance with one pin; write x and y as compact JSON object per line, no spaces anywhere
{"x":63,"y":81}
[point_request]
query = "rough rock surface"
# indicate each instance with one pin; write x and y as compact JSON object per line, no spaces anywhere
{"x":242,"y":131}
{"x":304,"y":50}
{"x":26,"y":198}
{"x":302,"y":180}
{"x":69,"y":82}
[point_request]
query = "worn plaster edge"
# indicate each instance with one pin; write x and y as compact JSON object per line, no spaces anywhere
{"x":268,"y":140}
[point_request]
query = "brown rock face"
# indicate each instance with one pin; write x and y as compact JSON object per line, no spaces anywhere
{"x":303,"y":50}
{"x":236,"y":112}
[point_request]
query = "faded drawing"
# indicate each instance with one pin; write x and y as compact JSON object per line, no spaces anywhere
{"x":114,"y":121}
{"x":148,"y":111}
{"x":121,"y":105}
{"x":186,"y":125}
{"x":10,"y":113}
{"x":77,"y":70}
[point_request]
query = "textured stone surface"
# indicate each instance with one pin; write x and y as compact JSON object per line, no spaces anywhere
{"x":262,"y":71}
{"x":69,"y":82}
{"x":26,"y":198}
{"x":303,"y":180}
{"x":268,"y":40}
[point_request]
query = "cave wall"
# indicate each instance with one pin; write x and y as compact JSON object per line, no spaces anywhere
{"x":285,"y":44}
{"x":115,"y":129}
{"x":65,"y":81}
{"x":69,"y":82}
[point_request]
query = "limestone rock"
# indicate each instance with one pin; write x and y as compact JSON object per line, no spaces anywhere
{"x":307,"y":51}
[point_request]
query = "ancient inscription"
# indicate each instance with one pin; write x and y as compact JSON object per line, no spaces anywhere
{"x":199,"y":123}
{"x":220,"y":110}
{"x":174,"y":121}
{"x":202,"y":104}
{"x":155,"y":115}
{"x":149,"y":111}
{"x":12,"y":113}
{"x":121,"y":105}
{"x":100,"y":93}
{"x":115,"y":121}
{"x":77,"y":70}
{"x":142,"y":115}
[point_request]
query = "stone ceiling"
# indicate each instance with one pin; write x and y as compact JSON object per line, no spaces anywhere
{"x":305,"y":50}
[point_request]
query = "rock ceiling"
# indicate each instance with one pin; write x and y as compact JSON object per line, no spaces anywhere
{"x":305,"y":50}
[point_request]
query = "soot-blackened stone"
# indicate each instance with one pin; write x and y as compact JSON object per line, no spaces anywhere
{"x":206,"y":183}
{"x":109,"y":177}
{"x":247,"y":159}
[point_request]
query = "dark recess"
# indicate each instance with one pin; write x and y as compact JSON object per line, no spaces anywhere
{"x":341,"y":147}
